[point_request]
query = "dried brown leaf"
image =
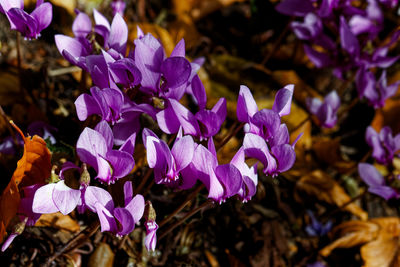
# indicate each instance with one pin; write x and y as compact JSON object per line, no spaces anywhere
{"x":103,"y":256}
{"x":322,"y":186}
{"x":380,"y":237}
{"x":58,"y":221}
{"x":33,"y":168}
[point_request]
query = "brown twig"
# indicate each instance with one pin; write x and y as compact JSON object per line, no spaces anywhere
{"x":231,"y":133}
{"x":177,"y":210}
{"x":75,"y":242}
{"x":187,"y":216}
{"x":277,"y":42}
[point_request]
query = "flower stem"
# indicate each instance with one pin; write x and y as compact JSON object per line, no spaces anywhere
{"x":75,"y":242}
{"x":230,"y":135}
{"x":177,"y":210}
{"x":187,"y":216}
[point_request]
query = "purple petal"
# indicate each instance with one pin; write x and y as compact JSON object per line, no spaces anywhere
{"x":23,"y":22}
{"x":370,"y":175}
{"x":94,"y":194}
{"x":268,"y":120}
{"x":85,"y":106}
{"x":82,"y":25}
{"x":179,"y":50}
{"x":136,"y":207}
{"x":295,"y":7}
{"x":118,"y":34}
{"x":255,"y":147}
{"x":285,"y":156}
{"x":104,"y":129}
{"x":121,"y":162}
{"x":182,"y":152}
{"x":43,"y":201}
{"x":129,"y":145}
{"x":384,"y":191}
{"x":283,"y":100}
{"x":176,"y":71}
{"x":65,"y":198}
{"x":333,"y":100}
{"x":348,"y":40}
{"x":8,"y":241}
{"x":128,"y":192}
{"x":107,"y":221}
{"x":319,"y":59}
{"x":43,"y":15}
{"x":230,"y":177}
{"x":101,"y":20}
{"x":126,"y":222}
{"x":246,"y":105}
{"x":199,"y":92}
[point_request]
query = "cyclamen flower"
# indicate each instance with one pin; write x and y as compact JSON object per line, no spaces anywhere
{"x":151,"y":235}
{"x":376,"y":92}
{"x":118,"y":6}
{"x":105,"y":102}
{"x":384,"y":145}
{"x":95,"y":147}
{"x":266,"y":138}
{"x":376,"y":182}
{"x":27,"y":216}
{"x":29,"y":25}
{"x":325,"y":111}
{"x":117,"y":220}
{"x":168,"y":164}
{"x":316,"y":228}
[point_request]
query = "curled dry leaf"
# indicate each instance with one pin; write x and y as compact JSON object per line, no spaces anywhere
{"x":103,"y":256}
{"x":322,"y":186}
{"x":379,"y":239}
{"x":59,"y":221}
{"x":33,"y":168}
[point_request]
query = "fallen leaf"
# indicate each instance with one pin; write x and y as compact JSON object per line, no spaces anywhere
{"x":59,"y":221}
{"x":103,"y":256}
{"x":33,"y":168}
{"x":211,"y":259}
{"x":379,"y":238}
{"x":325,"y":188}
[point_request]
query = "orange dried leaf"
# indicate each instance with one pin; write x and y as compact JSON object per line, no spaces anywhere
{"x":379,"y":239}
{"x":322,"y":186}
{"x":34,"y":167}
{"x":59,"y":221}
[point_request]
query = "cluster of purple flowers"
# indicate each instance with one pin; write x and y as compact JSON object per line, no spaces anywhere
{"x":384,"y":147}
{"x":356,"y":27}
{"x":149,"y":82}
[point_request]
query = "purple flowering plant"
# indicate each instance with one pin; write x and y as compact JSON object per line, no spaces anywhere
{"x":151,"y":131}
{"x":106,"y":151}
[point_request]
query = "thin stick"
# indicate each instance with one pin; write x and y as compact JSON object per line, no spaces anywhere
{"x":277,"y":42}
{"x":187,"y":216}
{"x":177,"y":210}
{"x":229,"y":136}
{"x":75,"y":242}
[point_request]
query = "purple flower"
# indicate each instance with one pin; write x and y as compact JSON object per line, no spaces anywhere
{"x":325,"y":111}
{"x":29,"y":25}
{"x":105,"y":102}
{"x":376,"y":182}
{"x":25,"y":213}
{"x":167,"y":164}
{"x":117,"y":220}
{"x":316,"y":228}
{"x":42,"y":129}
{"x":151,"y":235}
{"x":249,"y":176}
{"x":118,"y":6}
{"x":266,"y":138}
{"x":376,"y":92}
{"x":210,"y":121}
{"x":95,"y":147}
{"x":383,"y":145}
